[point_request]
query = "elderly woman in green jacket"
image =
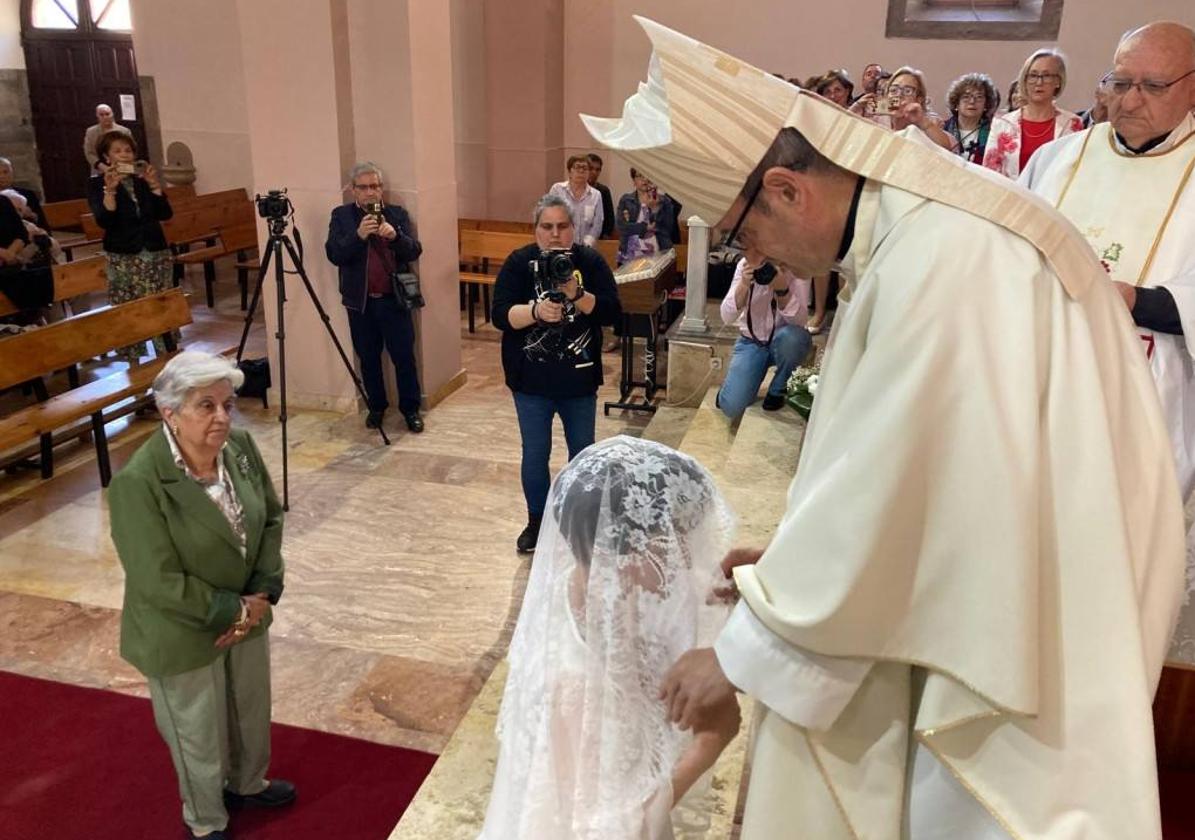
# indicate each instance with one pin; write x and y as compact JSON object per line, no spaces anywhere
{"x":198,"y":528}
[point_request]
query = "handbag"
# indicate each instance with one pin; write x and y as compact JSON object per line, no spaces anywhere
{"x":407,"y":291}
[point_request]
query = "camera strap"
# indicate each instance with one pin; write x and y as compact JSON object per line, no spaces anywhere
{"x":751,"y":327}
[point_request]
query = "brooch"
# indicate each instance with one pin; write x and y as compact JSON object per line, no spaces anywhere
{"x":244,"y":466}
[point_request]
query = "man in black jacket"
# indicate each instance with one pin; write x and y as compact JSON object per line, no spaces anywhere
{"x":552,"y":345}
{"x":369,"y":248}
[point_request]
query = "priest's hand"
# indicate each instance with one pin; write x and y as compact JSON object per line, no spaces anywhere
{"x":696,"y":690}
{"x":725,"y":591}
{"x":1127,"y":293}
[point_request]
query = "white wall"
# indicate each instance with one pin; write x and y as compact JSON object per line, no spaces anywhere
{"x":193,"y":52}
{"x":11,"y":54}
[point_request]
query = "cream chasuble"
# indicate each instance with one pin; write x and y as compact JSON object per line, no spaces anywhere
{"x":985,"y":520}
{"x":1138,"y":213}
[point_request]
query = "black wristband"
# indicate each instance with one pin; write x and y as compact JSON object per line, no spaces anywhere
{"x":580,"y":294}
{"x":781,"y":292}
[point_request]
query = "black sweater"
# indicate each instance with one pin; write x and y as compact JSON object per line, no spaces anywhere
{"x":557,"y":360}
{"x":134,"y":226}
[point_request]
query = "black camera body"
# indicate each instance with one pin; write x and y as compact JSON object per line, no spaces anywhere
{"x":553,"y":268}
{"x":274,"y":205}
{"x":765,"y":274}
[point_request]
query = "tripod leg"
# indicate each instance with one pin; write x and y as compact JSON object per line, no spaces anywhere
{"x":348,"y":364}
{"x":280,"y":290}
{"x":261,"y":274}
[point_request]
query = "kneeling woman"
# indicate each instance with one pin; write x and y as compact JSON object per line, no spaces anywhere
{"x":199,"y":532}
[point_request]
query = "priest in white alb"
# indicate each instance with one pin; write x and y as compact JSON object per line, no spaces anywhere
{"x":958,"y":627}
{"x":1127,"y":185}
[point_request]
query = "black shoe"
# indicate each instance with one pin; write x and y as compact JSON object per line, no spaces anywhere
{"x":215,"y":835}
{"x":373,"y":420}
{"x":278,"y":793}
{"x":530,"y":536}
{"x":414,"y":422}
{"x":773,"y":402}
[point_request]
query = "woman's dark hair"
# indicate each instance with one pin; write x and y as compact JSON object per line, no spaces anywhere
{"x":575,"y":159}
{"x":634,"y":173}
{"x":822,"y":83}
{"x":110,"y":137}
{"x":974,"y":81}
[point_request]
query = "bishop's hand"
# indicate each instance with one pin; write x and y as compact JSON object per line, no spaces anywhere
{"x":695,"y":690}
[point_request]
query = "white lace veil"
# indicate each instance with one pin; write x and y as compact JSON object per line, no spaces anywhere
{"x":628,"y":550}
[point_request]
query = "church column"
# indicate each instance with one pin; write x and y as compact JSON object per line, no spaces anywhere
{"x":696,"y":277}
{"x":525,"y":74}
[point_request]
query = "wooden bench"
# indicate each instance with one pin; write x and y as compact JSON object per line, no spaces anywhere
{"x":488,"y":250}
{"x":40,"y":352}
{"x":495,"y":225}
{"x":70,"y":280}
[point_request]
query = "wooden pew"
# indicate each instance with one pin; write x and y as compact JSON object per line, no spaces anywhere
{"x":38,"y":353}
{"x":70,"y":280}
{"x":489,"y":249}
{"x":237,"y":238}
{"x":495,"y":225}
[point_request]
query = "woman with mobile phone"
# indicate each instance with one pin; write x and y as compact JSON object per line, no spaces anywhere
{"x":643,"y":220}
{"x":129,"y":204}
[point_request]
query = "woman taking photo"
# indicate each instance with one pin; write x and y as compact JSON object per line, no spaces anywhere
{"x":972,"y":101}
{"x":643,"y":220}
{"x":552,"y":344}
{"x":128,"y":203}
{"x":199,"y":532}
{"x":1016,"y":135}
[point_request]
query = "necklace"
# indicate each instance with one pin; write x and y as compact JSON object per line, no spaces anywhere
{"x":1046,"y":131}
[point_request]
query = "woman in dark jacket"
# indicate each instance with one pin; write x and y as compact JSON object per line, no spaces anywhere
{"x":128,"y":203}
{"x":552,"y":346}
{"x":644,"y":219}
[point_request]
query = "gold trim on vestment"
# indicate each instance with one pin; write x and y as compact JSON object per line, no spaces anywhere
{"x":817,"y":759}
{"x":958,"y":777}
{"x":949,"y":727}
{"x":1074,"y":171}
{"x":1115,"y":148}
{"x":1153,"y":251}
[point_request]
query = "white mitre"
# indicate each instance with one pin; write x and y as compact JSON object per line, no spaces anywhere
{"x":703,"y":120}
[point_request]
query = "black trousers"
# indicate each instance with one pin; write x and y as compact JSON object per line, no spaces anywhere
{"x":385,"y":324}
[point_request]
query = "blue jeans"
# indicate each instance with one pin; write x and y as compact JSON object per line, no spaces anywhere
{"x":578,"y":416}
{"x":750,"y":362}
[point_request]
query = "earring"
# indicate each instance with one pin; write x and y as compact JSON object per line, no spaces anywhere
{"x":174,"y":428}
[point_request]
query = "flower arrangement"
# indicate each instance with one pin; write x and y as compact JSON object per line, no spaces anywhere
{"x":802,"y":386}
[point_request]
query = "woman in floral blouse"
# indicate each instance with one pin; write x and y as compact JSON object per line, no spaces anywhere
{"x":1015,"y":136}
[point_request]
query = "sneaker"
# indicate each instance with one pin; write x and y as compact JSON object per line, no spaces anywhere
{"x":773,"y":402}
{"x":373,"y":420}
{"x":530,"y":536}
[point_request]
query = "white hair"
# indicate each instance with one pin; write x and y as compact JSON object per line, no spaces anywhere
{"x":365,"y":167}
{"x":189,"y":370}
{"x":547,"y":201}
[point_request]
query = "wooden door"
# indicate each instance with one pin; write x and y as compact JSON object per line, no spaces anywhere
{"x":71,"y":70}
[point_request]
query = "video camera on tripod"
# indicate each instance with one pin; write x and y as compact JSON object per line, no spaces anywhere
{"x":274,"y":206}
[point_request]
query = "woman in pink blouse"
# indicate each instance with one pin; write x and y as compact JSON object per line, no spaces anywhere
{"x":1015,"y":136}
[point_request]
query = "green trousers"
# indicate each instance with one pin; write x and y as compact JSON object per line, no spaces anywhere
{"x":216,"y":722}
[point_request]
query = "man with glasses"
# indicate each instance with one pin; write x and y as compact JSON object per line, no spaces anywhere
{"x":958,"y":625}
{"x":370,"y":241}
{"x":1128,"y":187}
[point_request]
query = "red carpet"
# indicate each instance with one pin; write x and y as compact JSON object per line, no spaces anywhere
{"x":84,"y":763}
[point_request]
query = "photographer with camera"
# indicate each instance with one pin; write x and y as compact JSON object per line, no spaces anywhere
{"x":128,"y":203}
{"x":551,"y":300}
{"x":769,"y":308}
{"x":371,"y":242}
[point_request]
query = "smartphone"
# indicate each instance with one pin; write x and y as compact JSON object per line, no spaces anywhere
{"x":885,"y":105}
{"x":374,"y":208}
{"x":125,"y":169}
{"x":140,"y":166}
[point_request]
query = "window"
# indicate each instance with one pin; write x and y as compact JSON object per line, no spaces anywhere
{"x":111,"y":14}
{"x":991,"y":20}
{"x":56,"y":14}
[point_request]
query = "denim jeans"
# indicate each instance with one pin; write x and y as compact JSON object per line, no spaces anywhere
{"x":578,"y":416}
{"x":750,"y":362}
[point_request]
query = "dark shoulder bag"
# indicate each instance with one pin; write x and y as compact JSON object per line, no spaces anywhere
{"x":407,"y":291}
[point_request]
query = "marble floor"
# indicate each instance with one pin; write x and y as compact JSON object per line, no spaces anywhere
{"x":402,"y":579}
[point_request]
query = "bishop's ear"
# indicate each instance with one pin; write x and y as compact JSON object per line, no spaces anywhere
{"x":784,"y":185}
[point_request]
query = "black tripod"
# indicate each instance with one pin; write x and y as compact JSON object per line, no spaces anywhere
{"x":273,"y":251}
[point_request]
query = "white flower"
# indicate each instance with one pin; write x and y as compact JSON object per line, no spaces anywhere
{"x":811,"y":384}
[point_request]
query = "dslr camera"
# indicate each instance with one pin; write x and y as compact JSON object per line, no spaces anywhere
{"x":552,"y":269}
{"x":274,"y":205}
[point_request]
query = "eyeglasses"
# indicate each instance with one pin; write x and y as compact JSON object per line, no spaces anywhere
{"x":731,"y":239}
{"x":973,"y":97}
{"x":1119,"y":87}
{"x":366,"y":187}
{"x":903,"y":90}
{"x":1034,"y":78}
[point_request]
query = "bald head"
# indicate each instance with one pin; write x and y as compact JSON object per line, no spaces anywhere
{"x":1162,"y":52}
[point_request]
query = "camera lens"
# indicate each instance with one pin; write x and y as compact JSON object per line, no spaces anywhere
{"x":765,"y":274}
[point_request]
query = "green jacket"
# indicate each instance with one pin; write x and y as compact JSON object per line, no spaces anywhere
{"x":184,"y":573}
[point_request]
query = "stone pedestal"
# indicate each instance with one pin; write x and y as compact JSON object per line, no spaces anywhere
{"x":695,"y":322}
